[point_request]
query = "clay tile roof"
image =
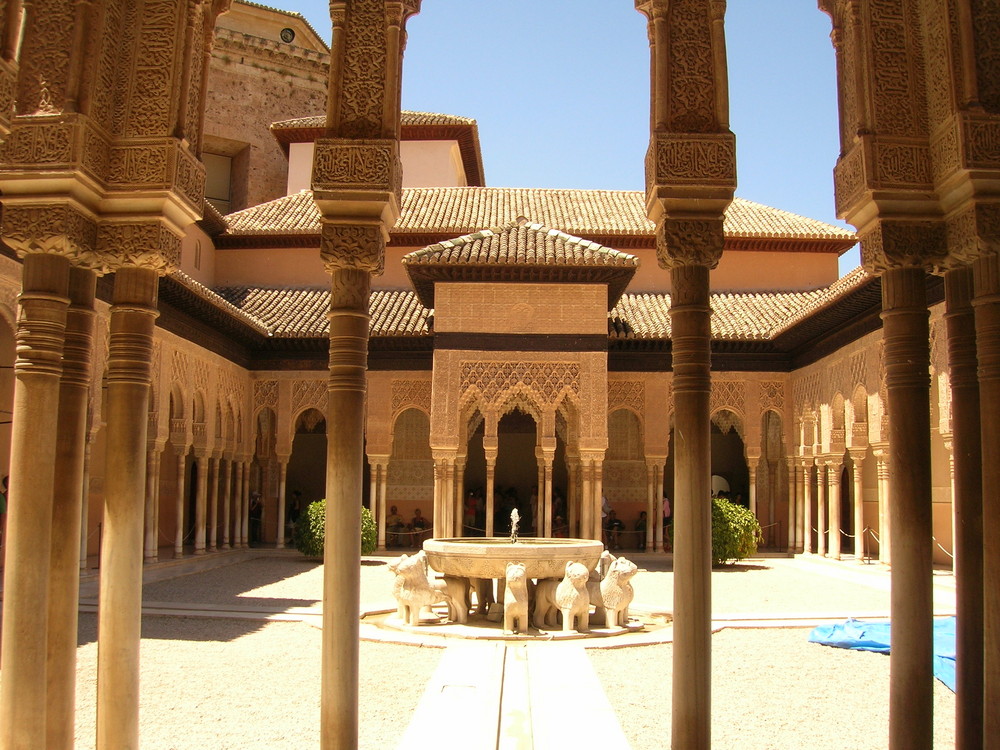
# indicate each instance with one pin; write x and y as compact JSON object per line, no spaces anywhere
{"x":522,"y":244}
{"x":460,"y":210}
{"x":748,"y":316}
{"x":302,"y":313}
{"x":519,"y":251}
{"x":406,"y":118}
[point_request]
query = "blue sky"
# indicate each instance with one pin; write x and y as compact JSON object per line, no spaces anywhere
{"x":560,"y":89}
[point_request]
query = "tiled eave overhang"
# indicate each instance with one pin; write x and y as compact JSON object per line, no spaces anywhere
{"x":424,"y":276}
{"x":616,"y":241}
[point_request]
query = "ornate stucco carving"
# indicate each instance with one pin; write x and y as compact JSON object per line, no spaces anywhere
{"x":411,"y":393}
{"x":52,"y":228}
{"x":352,"y":247}
{"x":265,"y":394}
{"x":147,"y":244}
{"x":309,"y":394}
{"x":684,"y":242}
{"x":909,"y":244}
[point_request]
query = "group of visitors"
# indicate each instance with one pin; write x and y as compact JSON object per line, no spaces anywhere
{"x":615,"y":528}
{"x":402,"y":534}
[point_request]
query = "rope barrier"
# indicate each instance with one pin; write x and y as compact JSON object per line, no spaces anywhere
{"x":943,"y":549}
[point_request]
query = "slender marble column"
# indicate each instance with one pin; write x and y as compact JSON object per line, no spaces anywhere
{"x":491,"y":463}
{"x":660,"y":541}
{"x":237,"y":505}
{"x":587,"y":501}
{"x":345,"y":461}
{"x":213,"y":504}
{"x":598,"y":497}
{"x":133,"y":312}
{"x":181,"y":453}
{"x":459,"y":496}
{"x":822,"y":499}
{"x":572,"y":491}
{"x":690,"y":316}
{"x":245,"y":507}
{"x":860,"y":536}
{"x":151,"y":549}
{"x":882,"y":483}
{"x":227,"y":488}
{"x":833,"y":478}
{"x":986,"y":304}
{"x":967,"y":499}
{"x":792,"y":520}
{"x":383,"y":497}
{"x":85,"y":499}
{"x":64,"y":576}
{"x":652,"y":518}
{"x":280,"y":531}
{"x":807,"y":506}
{"x":907,"y":362}
{"x":201,"y":504}
{"x":41,"y":328}
{"x":752,"y":472}
{"x":545,"y":501}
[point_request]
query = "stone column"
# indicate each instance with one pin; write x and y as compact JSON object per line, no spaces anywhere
{"x":133,"y":312}
{"x":598,"y":496}
{"x":752,"y":472}
{"x":378,"y":471}
{"x":807,"y":505}
{"x":41,"y":328}
{"x":213,"y":503}
{"x":572,"y":491}
{"x":986,"y":304}
{"x":459,"y":494}
{"x":282,"y":478}
{"x":383,"y":496}
{"x":545,"y":496}
{"x":245,"y":507}
{"x":64,"y":575}
{"x":660,"y":541}
{"x":201,"y":504}
{"x":907,"y":361}
{"x":84,"y":513}
{"x":881,"y":453}
{"x":490,"y":447}
{"x":587,"y":499}
{"x":822,"y":499}
{"x":833,"y":477}
{"x":227,"y":489}
{"x":860,"y":536}
{"x":690,"y":179}
{"x":151,"y":553}
{"x":181,"y":452}
{"x":967,"y":499}
{"x":237,"y":504}
{"x":793,"y":518}
{"x":653,"y":517}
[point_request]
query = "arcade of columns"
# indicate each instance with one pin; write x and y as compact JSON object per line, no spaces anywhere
{"x":101,"y":109}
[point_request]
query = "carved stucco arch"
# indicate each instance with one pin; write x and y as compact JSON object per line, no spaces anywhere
{"x":725,"y":424}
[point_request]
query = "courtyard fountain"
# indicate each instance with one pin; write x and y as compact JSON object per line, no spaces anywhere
{"x":537,"y":581}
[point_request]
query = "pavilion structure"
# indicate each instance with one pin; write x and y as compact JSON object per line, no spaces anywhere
{"x":205,"y":304}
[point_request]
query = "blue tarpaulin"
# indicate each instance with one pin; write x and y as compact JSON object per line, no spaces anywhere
{"x":875,"y":636}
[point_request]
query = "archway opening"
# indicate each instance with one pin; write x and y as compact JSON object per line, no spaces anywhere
{"x":306,"y":478}
{"x":411,"y":469}
{"x":516,"y":475}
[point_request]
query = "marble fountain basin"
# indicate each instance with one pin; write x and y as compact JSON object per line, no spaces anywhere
{"x":487,"y":557}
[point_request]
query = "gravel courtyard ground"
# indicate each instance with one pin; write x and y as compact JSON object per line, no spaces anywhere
{"x":249,"y":683}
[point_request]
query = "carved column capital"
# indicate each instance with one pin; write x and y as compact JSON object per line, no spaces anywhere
{"x":352,"y":247}
{"x":60,"y":229}
{"x":689,"y":242}
{"x":142,"y":243}
{"x":894,"y":244}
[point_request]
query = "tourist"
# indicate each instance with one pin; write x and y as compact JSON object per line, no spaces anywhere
{"x":640,"y":529}
{"x":614,"y":527}
{"x":395,"y":525}
{"x":420,"y":526}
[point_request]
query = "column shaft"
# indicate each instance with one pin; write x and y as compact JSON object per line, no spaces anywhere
{"x":41,"y":329}
{"x":833,"y":478}
{"x":201,"y":506}
{"x":860,"y":536}
{"x":179,"y":498}
{"x":807,"y":508}
{"x":967,"y":499}
{"x":383,"y":499}
{"x":490,"y":485}
{"x":152,"y":541}
{"x":822,"y":500}
{"x":344,"y":478}
{"x":245,"y":508}
{"x":227,"y":488}
{"x":598,"y":497}
{"x":546,"y":501}
{"x":658,"y":521}
{"x":690,"y":316}
{"x":587,"y":501}
{"x":280,"y":531}
{"x":907,"y":360}
{"x":213,"y":504}
{"x":133,"y":313}
{"x":64,"y":574}
{"x":987,"y":314}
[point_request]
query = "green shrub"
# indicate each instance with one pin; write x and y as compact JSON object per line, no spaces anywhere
{"x":735,"y":532}
{"x":310,"y":531}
